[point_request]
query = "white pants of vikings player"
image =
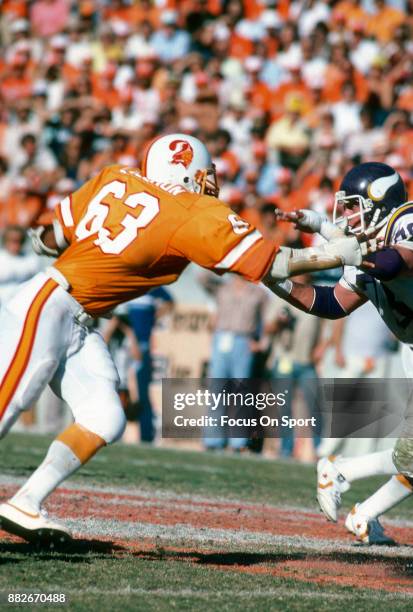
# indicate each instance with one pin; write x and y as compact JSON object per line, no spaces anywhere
{"x":42,"y":341}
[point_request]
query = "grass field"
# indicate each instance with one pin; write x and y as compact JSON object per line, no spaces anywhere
{"x":162,"y":529}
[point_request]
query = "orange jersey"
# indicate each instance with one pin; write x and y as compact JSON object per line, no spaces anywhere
{"x":127,"y":235}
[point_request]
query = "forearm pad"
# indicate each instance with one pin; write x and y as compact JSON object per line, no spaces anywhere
{"x":338,"y":252}
{"x":325,"y":304}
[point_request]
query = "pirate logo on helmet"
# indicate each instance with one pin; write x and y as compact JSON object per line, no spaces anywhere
{"x":184,"y":153}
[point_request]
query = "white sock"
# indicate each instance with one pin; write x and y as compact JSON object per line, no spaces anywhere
{"x":59,"y":463}
{"x":390,"y":494}
{"x":353,"y":468}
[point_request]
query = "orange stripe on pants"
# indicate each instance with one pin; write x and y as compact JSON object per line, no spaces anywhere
{"x":24,"y":348}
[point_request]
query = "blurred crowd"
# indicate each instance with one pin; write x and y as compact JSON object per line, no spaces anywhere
{"x":286,"y":94}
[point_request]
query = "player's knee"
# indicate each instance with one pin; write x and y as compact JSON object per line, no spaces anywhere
{"x":403,"y":456}
{"x":103,"y":415}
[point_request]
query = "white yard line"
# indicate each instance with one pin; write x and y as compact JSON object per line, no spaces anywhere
{"x":244,"y":594}
{"x":183,"y":535}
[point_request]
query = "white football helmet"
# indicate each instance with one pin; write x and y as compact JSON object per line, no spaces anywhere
{"x":180,"y":159}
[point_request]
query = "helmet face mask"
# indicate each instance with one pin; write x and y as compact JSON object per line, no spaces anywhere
{"x":181,"y":159}
{"x":208,"y":181}
{"x":369,"y":193}
{"x":361,"y":207}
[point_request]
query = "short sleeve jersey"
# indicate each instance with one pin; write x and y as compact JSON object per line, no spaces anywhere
{"x":127,"y":234}
{"x":393,"y":299}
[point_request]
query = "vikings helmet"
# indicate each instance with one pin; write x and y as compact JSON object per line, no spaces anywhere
{"x":372,"y":191}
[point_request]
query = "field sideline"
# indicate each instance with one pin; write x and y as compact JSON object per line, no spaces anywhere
{"x":159,"y":529}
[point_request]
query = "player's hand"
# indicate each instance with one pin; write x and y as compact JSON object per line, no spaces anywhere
{"x":304,"y":220}
{"x":369,"y":244}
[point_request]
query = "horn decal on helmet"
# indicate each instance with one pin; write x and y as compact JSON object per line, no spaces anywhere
{"x":378,"y":188}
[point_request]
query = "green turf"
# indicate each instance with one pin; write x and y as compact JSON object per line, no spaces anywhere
{"x":95,"y":579}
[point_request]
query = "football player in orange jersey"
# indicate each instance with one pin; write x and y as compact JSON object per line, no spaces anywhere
{"x":122,"y":233}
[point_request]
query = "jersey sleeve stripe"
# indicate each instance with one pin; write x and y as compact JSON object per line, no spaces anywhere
{"x":408,"y":207}
{"x":66,"y":210}
{"x":238,"y":251}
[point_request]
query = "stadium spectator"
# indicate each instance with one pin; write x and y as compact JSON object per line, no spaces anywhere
{"x":16,"y":266}
{"x":296,"y":350}
{"x":237,"y":328}
{"x":143,"y":313}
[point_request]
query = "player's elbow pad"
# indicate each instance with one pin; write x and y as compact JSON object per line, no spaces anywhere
{"x":325,"y":304}
{"x":388,"y":264}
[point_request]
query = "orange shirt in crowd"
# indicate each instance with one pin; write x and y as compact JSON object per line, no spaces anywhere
{"x":231,"y":161}
{"x":352,"y":13}
{"x":240,"y":47}
{"x":20,"y":210}
{"x":405,"y":100}
{"x":127,"y":235}
{"x":15,"y":88}
{"x":15,"y":9}
{"x":382,"y":24}
{"x":260,"y":96}
{"x":285,"y":92}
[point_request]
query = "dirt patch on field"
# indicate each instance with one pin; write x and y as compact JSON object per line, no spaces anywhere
{"x":312,"y":550}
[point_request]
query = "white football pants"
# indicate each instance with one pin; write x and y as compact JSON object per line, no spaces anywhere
{"x":43,"y":341}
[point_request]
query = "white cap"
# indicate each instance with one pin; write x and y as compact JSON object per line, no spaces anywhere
{"x":65,"y":185}
{"x":59,"y":41}
{"x":253,"y":63}
{"x":188,"y":124}
{"x":270,"y":19}
{"x":169,"y":17}
{"x":21,"y":182}
{"x":20,"y":25}
{"x":221,"y":32}
{"x":120,"y":28}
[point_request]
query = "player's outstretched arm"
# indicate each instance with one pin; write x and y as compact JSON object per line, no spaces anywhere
{"x":322,"y":301}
